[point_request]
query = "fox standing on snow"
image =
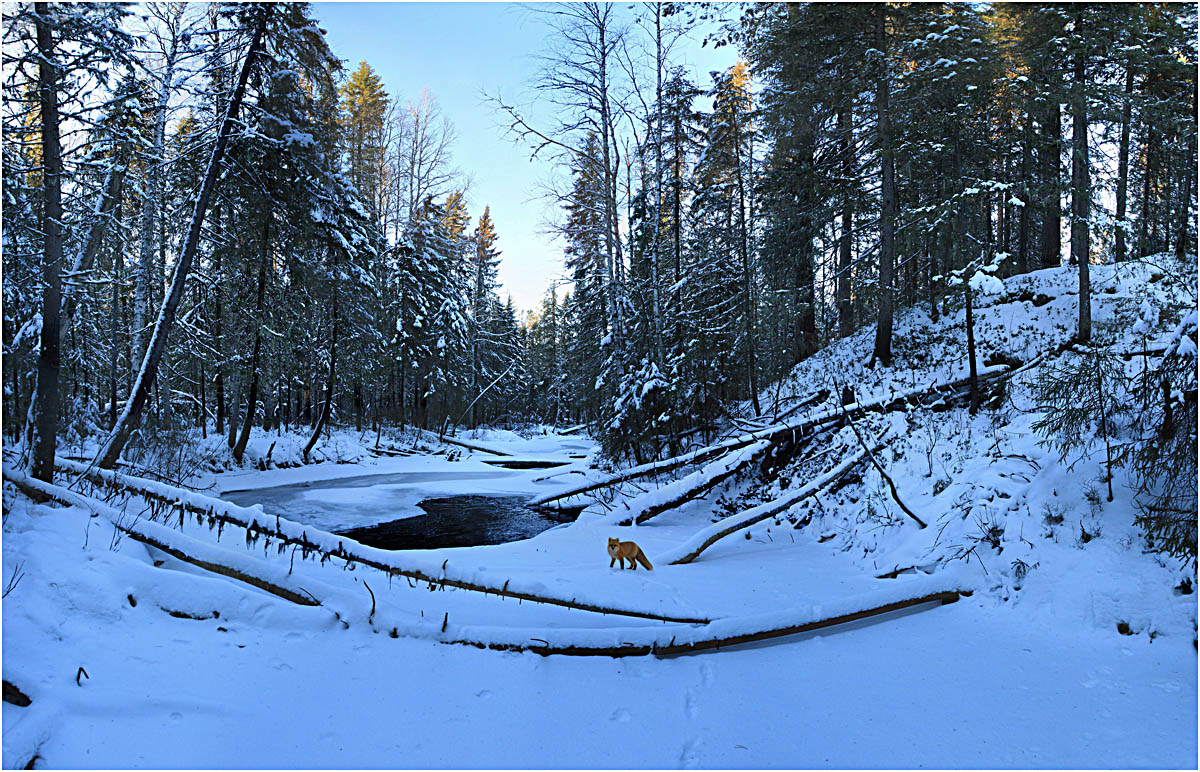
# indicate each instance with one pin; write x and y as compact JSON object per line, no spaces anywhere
{"x":627,"y":550}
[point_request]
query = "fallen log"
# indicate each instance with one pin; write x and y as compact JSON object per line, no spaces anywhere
{"x":883,"y":472}
{"x":311,"y":540}
{"x":156,"y":535}
{"x":652,"y":503}
{"x":691,"y":549}
{"x":465,"y":444}
{"x":15,"y":696}
{"x":473,"y":446}
{"x":392,"y":452}
{"x":775,"y":433}
{"x":726,"y":632}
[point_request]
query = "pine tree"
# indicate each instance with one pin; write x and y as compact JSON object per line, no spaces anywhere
{"x":724,"y":297}
{"x":483,"y":261}
{"x":364,"y":104}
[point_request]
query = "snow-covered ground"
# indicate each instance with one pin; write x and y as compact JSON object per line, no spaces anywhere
{"x":1029,"y":671}
{"x":979,"y":683}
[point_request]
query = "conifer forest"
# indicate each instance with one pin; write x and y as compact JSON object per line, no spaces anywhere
{"x":896,"y":307}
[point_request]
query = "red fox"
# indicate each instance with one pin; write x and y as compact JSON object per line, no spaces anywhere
{"x":627,"y":550}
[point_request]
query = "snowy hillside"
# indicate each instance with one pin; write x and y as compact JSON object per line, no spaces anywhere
{"x":1038,"y":529}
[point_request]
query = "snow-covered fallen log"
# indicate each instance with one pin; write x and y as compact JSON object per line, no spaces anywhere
{"x":218,"y":560}
{"x":641,"y":508}
{"x":774,"y":433}
{"x":463,"y":443}
{"x":729,"y":631}
{"x":311,"y":540}
{"x":691,"y":549}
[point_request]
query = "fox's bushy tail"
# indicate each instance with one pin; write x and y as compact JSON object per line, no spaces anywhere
{"x":641,"y":558}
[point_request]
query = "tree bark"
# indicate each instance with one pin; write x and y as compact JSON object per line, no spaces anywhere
{"x":114,"y":315}
{"x":1183,"y":213}
{"x":239,"y":448}
{"x":1051,"y":253}
{"x":845,"y":246}
{"x":327,"y":407}
{"x":973,"y":378}
{"x":1081,"y":194}
{"x":1026,"y":198}
{"x":113,"y":186}
{"x":42,"y":427}
{"x":887,"y":212}
{"x":1119,"y":249}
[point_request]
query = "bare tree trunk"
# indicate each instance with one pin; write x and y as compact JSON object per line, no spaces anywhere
{"x":1184,"y":219}
{"x":887,"y":213}
{"x":845,"y":254}
{"x":109,"y":199}
{"x":656,"y":254}
{"x":328,"y":406}
{"x":42,"y":426}
{"x":973,"y":378}
{"x":1052,"y":215}
{"x":1026,"y":198}
{"x":749,"y":320}
{"x":131,"y":417}
{"x":252,"y":397}
{"x":144,"y":279}
{"x":114,"y":315}
{"x":1146,"y":247}
{"x":1081,"y":194}
{"x":1119,"y":249}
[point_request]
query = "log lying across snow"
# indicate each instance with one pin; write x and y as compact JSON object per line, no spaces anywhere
{"x":464,"y":444}
{"x":691,"y":549}
{"x":308,"y":539}
{"x":207,"y":556}
{"x":729,"y":631}
{"x":775,"y":433}
{"x":641,"y":508}
{"x":658,"y":640}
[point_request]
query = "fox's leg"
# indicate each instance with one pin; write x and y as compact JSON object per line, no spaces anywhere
{"x":614,"y":560}
{"x":633,"y":562}
{"x":622,"y":559}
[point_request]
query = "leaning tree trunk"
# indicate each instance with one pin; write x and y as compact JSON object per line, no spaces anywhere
{"x":131,"y":417}
{"x":109,"y":199}
{"x":42,"y":428}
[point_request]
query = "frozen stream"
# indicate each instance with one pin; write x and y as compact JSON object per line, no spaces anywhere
{"x":413,"y":510}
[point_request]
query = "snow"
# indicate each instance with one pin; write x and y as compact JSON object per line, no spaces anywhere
{"x":986,"y":284}
{"x":287,"y":686}
{"x":295,"y":136}
{"x":1029,"y":671}
{"x":636,"y":506}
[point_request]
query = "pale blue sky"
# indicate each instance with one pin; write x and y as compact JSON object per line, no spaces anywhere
{"x":456,"y":50}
